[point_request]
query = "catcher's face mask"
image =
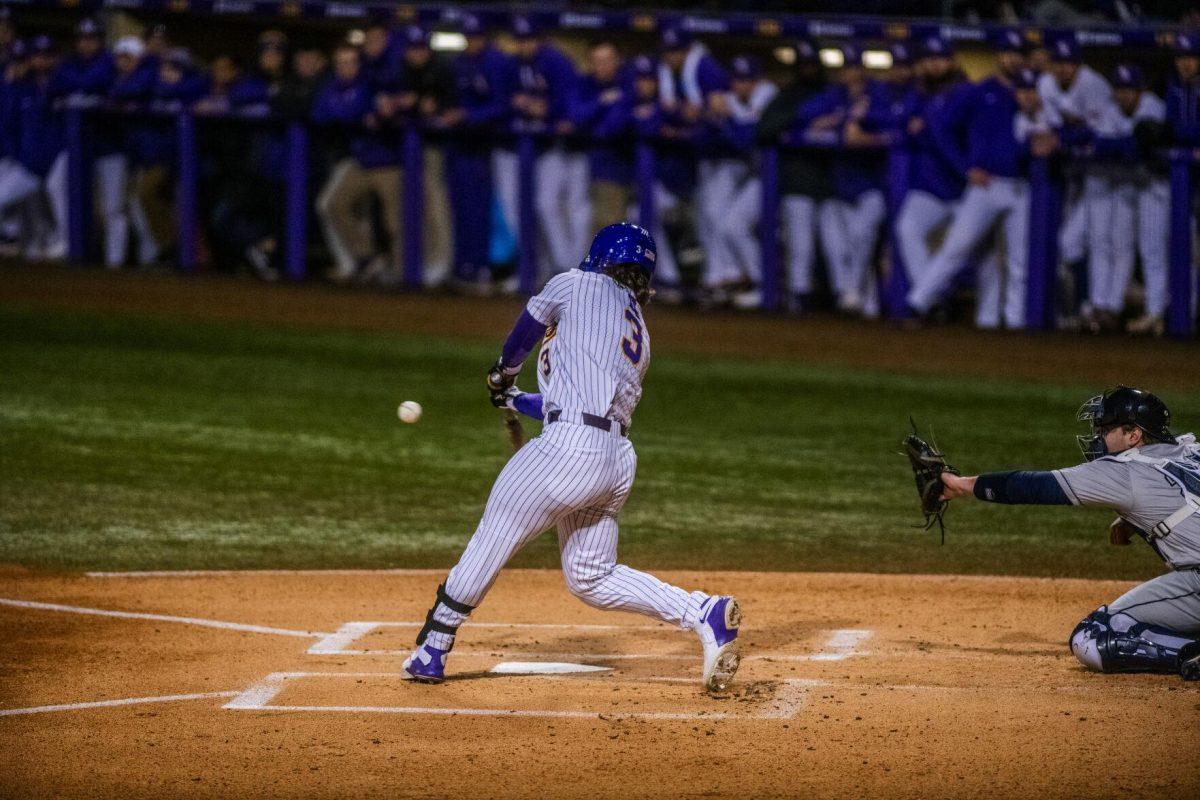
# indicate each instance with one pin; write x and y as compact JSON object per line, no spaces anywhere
{"x":1093,"y":444}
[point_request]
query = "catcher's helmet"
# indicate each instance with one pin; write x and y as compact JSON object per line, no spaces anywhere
{"x":1123,"y":406}
{"x":621,"y":243}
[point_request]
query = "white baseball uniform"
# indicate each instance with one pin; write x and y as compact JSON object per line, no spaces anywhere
{"x":574,"y":476}
{"x":1141,"y":214}
{"x":1089,"y":208}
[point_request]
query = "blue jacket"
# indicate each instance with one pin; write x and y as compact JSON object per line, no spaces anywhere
{"x":484,"y":85}
{"x":39,"y":137}
{"x":93,"y":77}
{"x":156,"y":141}
{"x":595,"y":120}
{"x":853,"y":171}
{"x":1183,"y":112}
{"x":933,"y":169}
{"x":984,"y":122}
{"x":550,"y":75}
{"x":10,"y":130}
{"x":349,"y":104}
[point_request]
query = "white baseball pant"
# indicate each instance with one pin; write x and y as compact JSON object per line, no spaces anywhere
{"x":849,"y":233}
{"x":564,"y":207}
{"x":920,"y":215}
{"x":1141,"y":217}
{"x":575,"y":478}
{"x":719,"y":187}
{"x":1004,"y":202}
{"x":798,"y":215}
{"x":1099,"y":202}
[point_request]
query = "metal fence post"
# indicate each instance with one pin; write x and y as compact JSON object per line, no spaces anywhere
{"x":896,"y":286}
{"x":1044,"y":213}
{"x":1180,"y":281}
{"x":644,"y":171}
{"x":186,"y":208}
{"x":296,"y":201}
{"x":413,"y":206}
{"x":527,"y":243}
{"x":768,"y":227}
{"x":79,"y":207}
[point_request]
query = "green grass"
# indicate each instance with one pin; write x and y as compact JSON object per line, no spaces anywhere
{"x":138,"y":444}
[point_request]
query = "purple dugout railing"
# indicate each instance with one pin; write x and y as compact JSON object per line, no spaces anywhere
{"x":1046,"y":195}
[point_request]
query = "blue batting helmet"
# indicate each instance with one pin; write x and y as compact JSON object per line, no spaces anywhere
{"x":622,"y":243}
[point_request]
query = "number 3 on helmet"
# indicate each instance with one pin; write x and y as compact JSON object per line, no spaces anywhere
{"x":621,"y":243}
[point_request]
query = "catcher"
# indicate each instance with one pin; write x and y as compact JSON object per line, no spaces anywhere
{"x":1151,"y":478}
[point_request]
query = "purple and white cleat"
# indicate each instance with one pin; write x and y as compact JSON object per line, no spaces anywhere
{"x":426,"y":665}
{"x":718,"y":629}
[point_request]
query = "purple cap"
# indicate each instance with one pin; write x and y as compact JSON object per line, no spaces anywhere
{"x":524,"y":27}
{"x":676,"y":38}
{"x":1010,"y":41}
{"x":89,"y":27}
{"x":1187,"y":44}
{"x":644,"y":66}
{"x":745,"y":68}
{"x":470,"y":25}
{"x":1025,"y":79}
{"x":901,"y":54}
{"x":806,"y":51}
{"x":272,"y":40}
{"x":1127,"y":76}
{"x":1065,"y":51}
{"x":415,"y":36}
{"x":935,"y":47}
{"x":851,"y":55}
{"x":19,"y":49}
{"x":41,"y":44}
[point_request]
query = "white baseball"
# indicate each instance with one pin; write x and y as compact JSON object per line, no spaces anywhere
{"x":409,"y":411}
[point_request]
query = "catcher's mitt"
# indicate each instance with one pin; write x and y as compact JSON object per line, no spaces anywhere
{"x":928,"y":464}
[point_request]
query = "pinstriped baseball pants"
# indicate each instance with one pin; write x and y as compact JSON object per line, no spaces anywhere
{"x":575,"y":478}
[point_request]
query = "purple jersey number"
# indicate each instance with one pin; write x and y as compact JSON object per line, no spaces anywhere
{"x":632,"y":344}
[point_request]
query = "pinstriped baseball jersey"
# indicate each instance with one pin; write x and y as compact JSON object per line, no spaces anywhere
{"x":1145,"y":493}
{"x":597,"y":348}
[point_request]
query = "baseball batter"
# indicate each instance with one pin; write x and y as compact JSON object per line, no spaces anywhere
{"x":578,"y":473}
{"x":1151,"y":478}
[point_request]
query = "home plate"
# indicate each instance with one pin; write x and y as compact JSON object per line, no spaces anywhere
{"x":543,"y":668}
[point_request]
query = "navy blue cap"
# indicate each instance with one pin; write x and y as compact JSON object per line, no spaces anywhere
{"x":89,"y":27}
{"x":676,"y":38}
{"x":524,"y":27}
{"x":415,"y":36}
{"x":19,"y":49}
{"x":1025,"y":79}
{"x":470,"y":25}
{"x":935,"y":46}
{"x":1128,"y":76}
{"x":851,"y":55}
{"x":644,"y":65}
{"x":806,"y":51}
{"x":41,"y":44}
{"x":1010,"y":41}
{"x":1187,"y":44}
{"x":745,"y":67}
{"x":1065,"y":51}
{"x":901,"y":54}
{"x":179,"y":57}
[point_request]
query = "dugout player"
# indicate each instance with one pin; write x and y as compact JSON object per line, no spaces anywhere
{"x":1151,"y":478}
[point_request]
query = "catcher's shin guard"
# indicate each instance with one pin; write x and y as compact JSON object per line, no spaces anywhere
{"x":1118,"y":643}
{"x":433,"y":625}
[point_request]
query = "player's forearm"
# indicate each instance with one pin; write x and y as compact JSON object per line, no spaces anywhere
{"x":526,"y":333}
{"x":1018,"y":488}
{"x":528,"y":404}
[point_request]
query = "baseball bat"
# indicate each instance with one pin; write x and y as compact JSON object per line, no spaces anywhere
{"x":514,"y":429}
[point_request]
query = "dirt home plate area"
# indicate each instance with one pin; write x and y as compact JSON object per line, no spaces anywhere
{"x":286,"y":684}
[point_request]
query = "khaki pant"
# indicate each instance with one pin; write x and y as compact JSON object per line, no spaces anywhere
{"x":154,"y":192}
{"x":610,"y":203}
{"x":438,"y":222}
{"x":339,"y":207}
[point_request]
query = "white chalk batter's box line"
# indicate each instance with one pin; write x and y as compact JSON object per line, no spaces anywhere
{"x":841,"y":644}
{"x":788,"y":700}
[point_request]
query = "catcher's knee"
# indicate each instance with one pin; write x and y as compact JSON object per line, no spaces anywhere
{"x":1090,"y":638}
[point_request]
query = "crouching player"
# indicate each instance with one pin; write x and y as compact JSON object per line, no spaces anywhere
{"x":1151,"y":478}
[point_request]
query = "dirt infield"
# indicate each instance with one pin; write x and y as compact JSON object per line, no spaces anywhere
{"x":284,"y":684}
{"x":818,"y":339}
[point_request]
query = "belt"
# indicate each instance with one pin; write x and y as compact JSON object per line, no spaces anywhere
{"x":603,"y":423}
